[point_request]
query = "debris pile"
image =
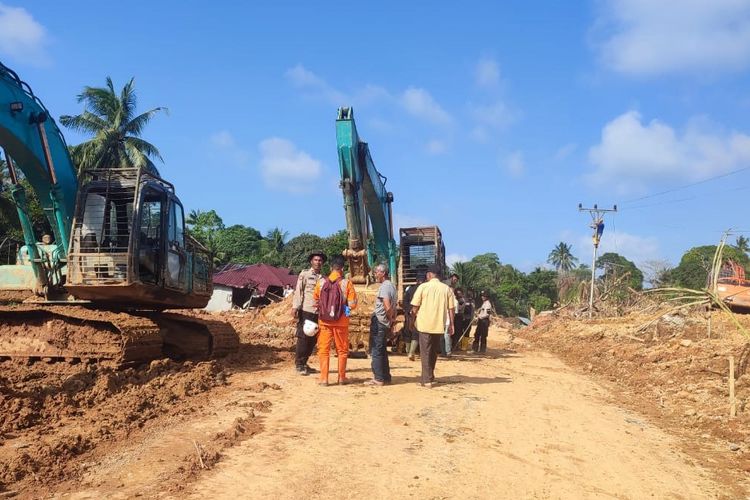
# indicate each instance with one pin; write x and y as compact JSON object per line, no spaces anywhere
{"x":666,"y":367}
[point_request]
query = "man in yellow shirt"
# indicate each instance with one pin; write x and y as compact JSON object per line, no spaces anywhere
{"x":432,"y":304}
{"x":333,"y":318}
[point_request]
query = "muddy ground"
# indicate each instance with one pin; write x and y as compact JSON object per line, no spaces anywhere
{"x":634,"y":411}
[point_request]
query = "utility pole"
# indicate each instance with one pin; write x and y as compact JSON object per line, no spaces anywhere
{"x":597,"y":224}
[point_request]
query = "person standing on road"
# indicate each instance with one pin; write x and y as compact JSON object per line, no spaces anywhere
{"x":459,"y":323}
{"x":409,"y":319}
{"x":336,"y":299}
{"x":447,"y":345}
{"x":380,"y":326}
{"x":305,"y":307}
{"x":483,"y":325}
{"x":433,"y":304}
{"x":452,"y":281}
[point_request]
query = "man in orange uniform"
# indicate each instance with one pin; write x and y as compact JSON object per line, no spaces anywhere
{"x":338,"y":328}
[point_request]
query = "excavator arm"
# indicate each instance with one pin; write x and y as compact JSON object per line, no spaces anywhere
{"x":33,"y":144}
{"x":367,"y":203}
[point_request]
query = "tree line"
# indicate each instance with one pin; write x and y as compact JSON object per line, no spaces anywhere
{"x":110,"y":118}
{"x":246,"y":245}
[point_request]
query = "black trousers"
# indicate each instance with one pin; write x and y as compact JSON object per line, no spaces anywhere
{"x":429,"y":347}
{"x":480,"y":335}
{"x":305,"y":345}
{"x":381,"y":369}
{"x":458,"y":329}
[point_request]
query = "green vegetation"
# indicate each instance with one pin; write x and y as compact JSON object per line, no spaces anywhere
{"x":742,"y":244}
{"x":511,"y":291}
{"x":692,"y":272}
{"x":10,"y":226}
{"x":246,"y":245}
{"x":615,"y":266}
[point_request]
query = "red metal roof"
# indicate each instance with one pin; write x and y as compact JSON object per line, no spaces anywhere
{"x":260,"y":276}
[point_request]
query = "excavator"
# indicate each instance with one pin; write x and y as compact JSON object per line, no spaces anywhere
{"x":120,"y":255}
{"x":369,"y":222}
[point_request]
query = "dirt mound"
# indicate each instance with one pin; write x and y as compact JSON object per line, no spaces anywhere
{"x":271,"y":326}
{"x":666,"y":367}
{"x":274,"y":327}
{"x":52,"y":413}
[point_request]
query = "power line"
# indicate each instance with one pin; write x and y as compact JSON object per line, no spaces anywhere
{"x":667,"y":191}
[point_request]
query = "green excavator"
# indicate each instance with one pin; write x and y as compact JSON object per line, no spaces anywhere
{"x":118,"y":257}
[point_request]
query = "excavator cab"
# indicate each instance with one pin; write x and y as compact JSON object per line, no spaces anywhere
{"x":129,"y":245}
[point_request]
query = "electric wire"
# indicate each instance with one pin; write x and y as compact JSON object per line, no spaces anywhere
{"x":672,"y":190}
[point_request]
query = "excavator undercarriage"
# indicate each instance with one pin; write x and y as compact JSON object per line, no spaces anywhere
{"x":74,"y":334}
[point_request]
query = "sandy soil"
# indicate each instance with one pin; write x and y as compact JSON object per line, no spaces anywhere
{"x":506,"y":425}
{"x":516,"y":423}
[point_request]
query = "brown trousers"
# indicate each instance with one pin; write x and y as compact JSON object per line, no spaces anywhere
{"x":429,"y":346}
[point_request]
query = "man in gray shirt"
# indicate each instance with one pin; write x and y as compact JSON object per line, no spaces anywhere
{"x":380,"y":325}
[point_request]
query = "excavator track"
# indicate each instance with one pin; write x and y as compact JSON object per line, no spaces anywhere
{"x":34,"y":332}
{"x":187,"y":336}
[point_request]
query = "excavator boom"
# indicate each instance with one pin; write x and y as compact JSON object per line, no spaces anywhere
{"x":367,"y":203}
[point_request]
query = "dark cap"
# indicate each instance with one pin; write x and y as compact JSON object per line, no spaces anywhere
{"x":318,"y":253}
{"x":434,"y":269}
{"x":483,"y":294}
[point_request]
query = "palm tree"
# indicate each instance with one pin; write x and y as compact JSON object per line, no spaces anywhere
{"x":116,"y":130}
{"x":193,"y":217}
{"x":469,"y":275}
{"x":277,"y":239}
{"x":742,"y":244}
{"x":561,"y":258}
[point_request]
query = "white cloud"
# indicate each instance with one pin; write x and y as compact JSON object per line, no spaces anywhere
{"x":452,"y":258}
{"x":21,"y":36}
{"x":647,"y":37}
{"x":419,"y":103}
{"x":565,"y":151}
{"x":306,"y":80}
{"x":637,"y":249}
{"x":497,"y":114}
{"x":514,"y":164}
{"x":224,"y":143}
{"x":632,"y":155}
{"x":436,"y":147}
{"x":286,"y":168}
{"x":416,"y":101}
{"x":487,"y":73}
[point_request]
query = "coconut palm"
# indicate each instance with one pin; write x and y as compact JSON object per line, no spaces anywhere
{"x":561,"y":258}
{"x":194,"y":217}
{"x":742,"y":244}
{"x":277,"y":239}
{"x":469,"y":275}
{"x":116,"y":129}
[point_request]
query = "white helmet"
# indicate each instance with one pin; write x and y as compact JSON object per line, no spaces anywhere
{"x":310,"y":328}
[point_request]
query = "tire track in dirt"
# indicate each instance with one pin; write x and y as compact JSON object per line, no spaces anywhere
{"x":506,"y":425}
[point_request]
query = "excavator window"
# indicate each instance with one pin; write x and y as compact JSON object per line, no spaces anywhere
{"x":176,"y":225}
{"x":150,"y":235}
{"x":176,"y":257}
{"x":107,"y":220}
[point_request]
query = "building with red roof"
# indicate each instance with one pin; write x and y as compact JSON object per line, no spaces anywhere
{"x":243,"y":285}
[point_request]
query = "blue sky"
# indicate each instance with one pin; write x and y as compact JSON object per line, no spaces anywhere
{"x":491,"y":121}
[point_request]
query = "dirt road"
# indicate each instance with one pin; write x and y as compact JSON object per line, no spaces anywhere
{"x":506,"y":425}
